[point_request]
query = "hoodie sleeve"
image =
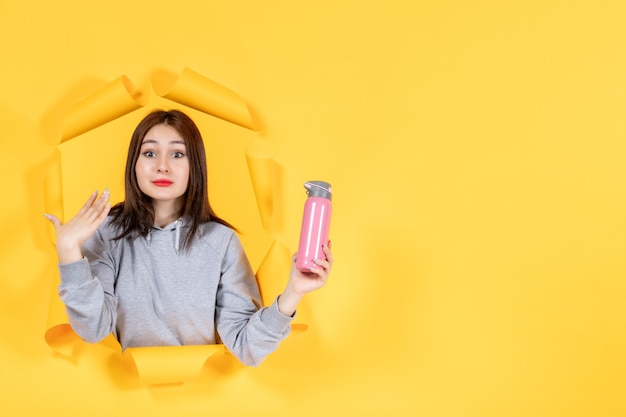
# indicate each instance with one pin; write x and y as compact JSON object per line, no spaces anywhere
{"x":87,"y":290}
{"x":249,"y":331}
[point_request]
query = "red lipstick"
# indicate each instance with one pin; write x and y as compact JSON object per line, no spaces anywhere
{"x":162,"y":182}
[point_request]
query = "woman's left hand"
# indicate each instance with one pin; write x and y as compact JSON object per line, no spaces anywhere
{"x":304,"y":282}
{"x":301,"y":282}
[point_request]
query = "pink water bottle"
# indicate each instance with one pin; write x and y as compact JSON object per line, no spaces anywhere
{"x":315,"y":224}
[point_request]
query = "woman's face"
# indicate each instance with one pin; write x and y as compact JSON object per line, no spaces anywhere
{"x":162,"y":168}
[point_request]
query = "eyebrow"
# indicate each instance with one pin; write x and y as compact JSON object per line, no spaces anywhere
{"x":174,"y":142}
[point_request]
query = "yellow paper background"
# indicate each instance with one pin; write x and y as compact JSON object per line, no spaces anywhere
{"x":476,"y":153}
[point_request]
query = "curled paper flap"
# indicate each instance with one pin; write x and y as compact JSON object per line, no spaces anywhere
{"x":264,"y":178}
{"x":171,"y":364}
{"x":276,"y":263}
{"x":59,"y":335}
{"x":110,"y":102}
{"x":62,"y":339}
{"x":205,"y":95}
{"x":53,"y":193}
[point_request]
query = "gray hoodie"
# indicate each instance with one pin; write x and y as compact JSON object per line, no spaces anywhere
{"x":148,"y":292}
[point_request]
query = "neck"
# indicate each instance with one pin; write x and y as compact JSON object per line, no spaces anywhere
{"x":166,"y":212}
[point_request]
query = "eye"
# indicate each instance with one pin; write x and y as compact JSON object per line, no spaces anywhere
{"x":178,"y":155}
{"x":149,"y":154}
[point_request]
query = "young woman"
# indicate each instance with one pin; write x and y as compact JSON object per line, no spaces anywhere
{"x":161,"y":268}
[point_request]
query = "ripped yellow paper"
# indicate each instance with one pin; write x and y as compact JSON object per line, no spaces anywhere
{"x":109,"y":103}
{"x":59,"y":334}
{"x":170,"y":364}
{"x":200,"y":93}
{"x":276,"y":263}
{"x":53,"y":192}
{"x":265,"y":183}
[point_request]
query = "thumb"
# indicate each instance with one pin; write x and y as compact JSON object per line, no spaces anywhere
{"x":53,"y":219}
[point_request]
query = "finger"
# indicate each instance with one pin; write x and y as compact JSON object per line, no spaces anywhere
{"x":329,"y":255}
{"x":88,"y":203}
{"x":104,"y":213}
{"x":318,"y":273}
{"x":100,"y":206}
{"x":53,"y":219}
{"x":322,"y":263}
{"x":103,"y":201}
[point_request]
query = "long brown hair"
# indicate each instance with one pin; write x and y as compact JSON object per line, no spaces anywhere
{"x":135,"y":215}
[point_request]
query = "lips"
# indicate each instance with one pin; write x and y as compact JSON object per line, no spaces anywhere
{"x":162,"y":183}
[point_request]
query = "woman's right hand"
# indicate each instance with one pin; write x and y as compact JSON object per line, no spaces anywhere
{"x":70,"y":236}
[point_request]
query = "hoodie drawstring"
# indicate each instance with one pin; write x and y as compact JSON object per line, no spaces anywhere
{"x":177,"y":227}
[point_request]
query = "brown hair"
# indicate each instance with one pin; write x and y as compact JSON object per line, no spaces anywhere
{"x":135,"y":214}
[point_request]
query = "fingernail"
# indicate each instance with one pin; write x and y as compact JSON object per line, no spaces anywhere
{"x":106,"y":192}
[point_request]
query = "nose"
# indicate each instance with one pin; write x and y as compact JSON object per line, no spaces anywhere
{"x":162,"y":165}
